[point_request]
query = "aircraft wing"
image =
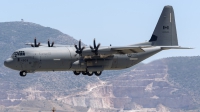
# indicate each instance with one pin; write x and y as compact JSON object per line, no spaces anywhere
{"x":127,"y":49}
{"x":107,"y":51}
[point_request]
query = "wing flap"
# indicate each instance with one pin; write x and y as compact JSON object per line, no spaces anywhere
{"x":128,"y":49}
{"x":108,"y":51}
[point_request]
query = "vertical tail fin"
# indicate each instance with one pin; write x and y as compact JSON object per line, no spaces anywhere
{"x":165,"y":31}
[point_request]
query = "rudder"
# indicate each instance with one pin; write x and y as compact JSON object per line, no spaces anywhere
{"x":165,"y":31}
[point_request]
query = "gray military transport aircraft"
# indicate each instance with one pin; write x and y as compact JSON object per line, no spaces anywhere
{"x":90,"y":60}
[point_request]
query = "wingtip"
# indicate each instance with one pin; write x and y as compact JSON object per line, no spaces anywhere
{"x":186,"y":47}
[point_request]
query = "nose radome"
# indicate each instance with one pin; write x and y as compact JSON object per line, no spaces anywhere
{"x":8,"y":62}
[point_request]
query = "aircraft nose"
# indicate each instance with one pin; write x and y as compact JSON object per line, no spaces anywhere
{"x":8,"y":62}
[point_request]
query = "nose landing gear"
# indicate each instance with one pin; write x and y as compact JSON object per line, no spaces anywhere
{"x":22,"y":73}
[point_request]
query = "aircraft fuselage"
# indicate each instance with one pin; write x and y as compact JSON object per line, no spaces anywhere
{"x":65,"y":59}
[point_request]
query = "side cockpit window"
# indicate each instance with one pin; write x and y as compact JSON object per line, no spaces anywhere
{"x":15,"y":54}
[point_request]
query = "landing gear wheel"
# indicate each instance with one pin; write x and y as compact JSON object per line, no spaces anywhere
{"x":98,"y":73}
{"x":89,"y":73}
{"x":22,"y":73}
{"x":84,"y":72}
{"x":77,"y":72}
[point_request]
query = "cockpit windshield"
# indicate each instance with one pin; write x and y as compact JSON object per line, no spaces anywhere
{"x":18,"y":53}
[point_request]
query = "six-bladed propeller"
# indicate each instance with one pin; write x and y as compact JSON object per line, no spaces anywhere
{"x":35,"y":43}
{"x":79,"y":50}
{"x":50,"y":45}
{"x":95,"y":48}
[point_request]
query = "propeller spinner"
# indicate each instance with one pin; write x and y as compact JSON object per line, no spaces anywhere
{"x":79,"y":50}
{"x":35,"y":43}
{"x":95,"y":48}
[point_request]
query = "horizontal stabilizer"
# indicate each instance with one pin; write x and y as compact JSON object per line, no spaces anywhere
{"x":174,"y":47}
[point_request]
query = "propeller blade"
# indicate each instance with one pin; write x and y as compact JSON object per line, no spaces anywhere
{"x":38,"y":44}
{"x":76,"y":47}
{"x":35,"y":42}
{"x":82,"y":49}
{"x":48,"y":43}
{"x":52,"y":44}
{"x":98,"y":46}
{"x":94,"y":44}
{"x":79,"y":44}
{"x":91,"y":48}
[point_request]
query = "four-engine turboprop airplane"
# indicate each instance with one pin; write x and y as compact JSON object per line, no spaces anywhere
{"x":93,"y":60}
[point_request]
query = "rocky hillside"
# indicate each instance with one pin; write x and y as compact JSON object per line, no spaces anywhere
{"x":170,"y":84}
{"x":144,"y":88}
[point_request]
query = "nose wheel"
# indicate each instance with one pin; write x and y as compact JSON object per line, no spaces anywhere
{"x":22,"y":73}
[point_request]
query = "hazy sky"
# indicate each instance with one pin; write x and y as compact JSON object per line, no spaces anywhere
{"x":116,"y":22}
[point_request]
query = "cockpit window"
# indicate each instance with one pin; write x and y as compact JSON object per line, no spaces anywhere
{"x":19,"y":53}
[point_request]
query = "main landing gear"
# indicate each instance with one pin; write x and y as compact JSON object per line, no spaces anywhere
{"x":22,"y":73}
{"x":97,"y":73}
{"x":77,"y":72}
